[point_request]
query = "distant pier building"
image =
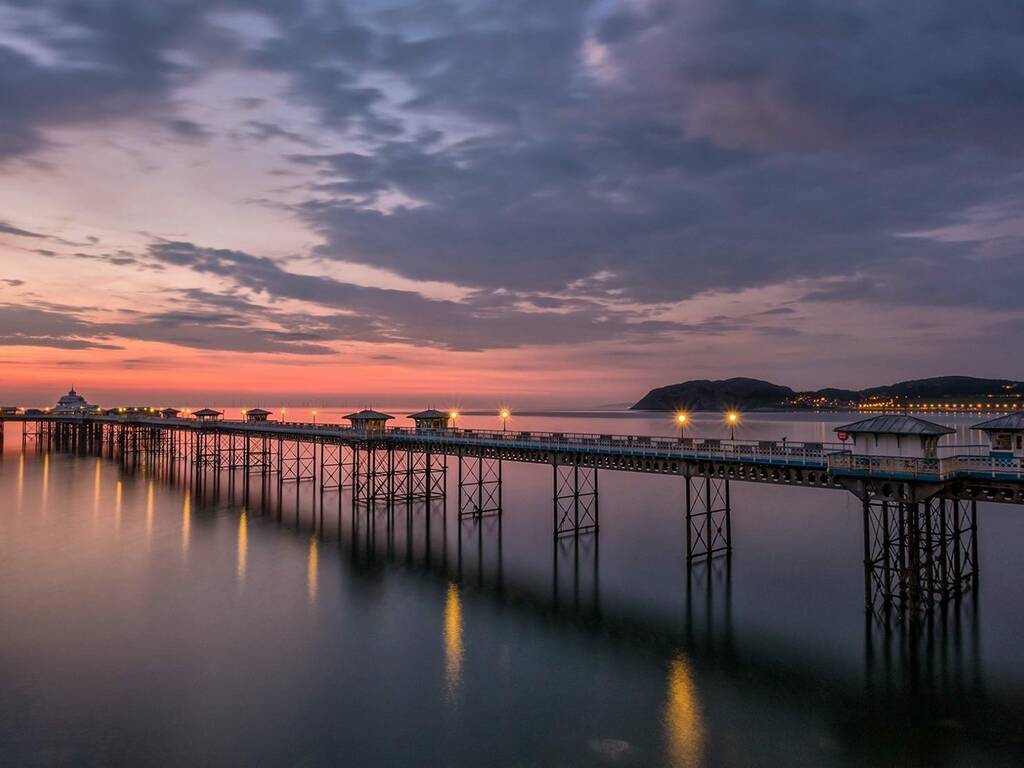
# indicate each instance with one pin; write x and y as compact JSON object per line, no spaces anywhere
{"x":429,"y":419}
{"x":208,"y":414}
{"x":1005,"y":435}
{"x":369,"y":421}
{"x":74,"y":404}
{"x":255,"y":415}
{"x":900,"y":436}
{"x":169,"y":413}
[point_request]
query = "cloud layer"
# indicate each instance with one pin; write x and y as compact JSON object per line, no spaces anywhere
{"x":573,"y":172}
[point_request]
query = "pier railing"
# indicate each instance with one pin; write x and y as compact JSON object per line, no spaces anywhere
{"x":944,"y":468}
{"x":952,"y":460}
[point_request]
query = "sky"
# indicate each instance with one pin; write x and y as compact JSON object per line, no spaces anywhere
{"x":521,"y":202}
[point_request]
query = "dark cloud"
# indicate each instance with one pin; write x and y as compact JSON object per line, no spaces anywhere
{"x":27,"y":326}
{"x":187,"y":130}
{"x":13,"y":283}
{"x":10,"y":229}
{"x":258,"y":130}
{"x":483,"y":321}
{"x":592,"y":156}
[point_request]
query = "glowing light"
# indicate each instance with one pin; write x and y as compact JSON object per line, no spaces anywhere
{"x":504,"y":413}
{"x":682,"y":418}
{"x":453,"y":649}
{"x":243,"y":545}
{"x":312,"y":570}
{"x":21,"y":480}
{"x":149,"y":510}
{"x":682,"y":720}
{"x":117,"y":506}
{"x":46,"y":478}
{"x":733,"y":417}
{"x":96,"y":491}
{"x":186,"y":525}
{"x":453,"y":414}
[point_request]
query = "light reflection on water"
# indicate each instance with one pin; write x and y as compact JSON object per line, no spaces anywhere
{"x":243,"y":545}
{"x":186,"y":525}
{"x":452,"y":644}
{"x":684,"y":730}
{"x":488,"y":645}
{"x":312,"y":570}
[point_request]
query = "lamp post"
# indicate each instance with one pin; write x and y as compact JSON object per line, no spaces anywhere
{"x":733,"y":418}
{"x":504,"y":414}
{"x":314,"y":415}
{"x":681,"y":419}
{"x":452,"y":416}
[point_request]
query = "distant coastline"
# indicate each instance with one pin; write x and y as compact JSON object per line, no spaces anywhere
{"x":942,"y":393}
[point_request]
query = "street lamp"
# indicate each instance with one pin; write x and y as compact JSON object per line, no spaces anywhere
{"x":733,"y":418}
{"x":504,"y":414}
{"x":314,"y":415}
{"x":681,"y":420}
{"x":452,"y":416}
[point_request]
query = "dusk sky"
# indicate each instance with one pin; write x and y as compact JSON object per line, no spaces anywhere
{"x":526,"y":202}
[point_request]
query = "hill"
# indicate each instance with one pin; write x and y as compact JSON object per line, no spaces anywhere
{"x":750,"y":394}
{"x":708,"y":395}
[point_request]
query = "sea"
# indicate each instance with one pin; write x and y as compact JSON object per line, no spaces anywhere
{"x":144,"y":622}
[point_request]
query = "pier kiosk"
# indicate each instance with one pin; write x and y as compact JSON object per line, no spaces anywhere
{"x":170,"y":413}
{"x":208,"y":415}
{"x":1005,"y":435}
{"x":429,"y":419}
{"x":255,"y":415}
{"x":895,"y":436}
{"x":369,"y":421}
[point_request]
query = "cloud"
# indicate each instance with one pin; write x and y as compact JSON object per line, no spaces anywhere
{"x":10,"y":229}
{"x":360,"y":313}
{"x":573,"y":168}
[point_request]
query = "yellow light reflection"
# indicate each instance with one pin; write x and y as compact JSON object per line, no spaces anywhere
{"x":117,"y":507}
{"x":46,"y":478}
{"x":684,"y":728}
{"x":97,"y":486}
{"x":21,"y":480}
{"x":243,"y":545}
{"x":453,"y":649}
{"x":312,"y":570}
{"x":149,"y":510}
{"x":186,"y":524}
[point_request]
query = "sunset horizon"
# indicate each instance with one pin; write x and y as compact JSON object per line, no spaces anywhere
{"x":504,"y":383}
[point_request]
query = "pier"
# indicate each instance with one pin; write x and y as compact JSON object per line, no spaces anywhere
{"x":920,"y":511}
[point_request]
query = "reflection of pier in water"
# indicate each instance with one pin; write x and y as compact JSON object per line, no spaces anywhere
{"x":916,"y":667}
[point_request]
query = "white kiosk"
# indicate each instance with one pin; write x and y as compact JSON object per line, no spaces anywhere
{"x":1005,"y":435}
{"x":903,"y":436}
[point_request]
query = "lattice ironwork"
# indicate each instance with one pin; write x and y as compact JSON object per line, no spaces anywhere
{"x":708,"y":516}
{"x":206,"y":450}
{"x":336,"y":467}
{"x":373,"y":476}
{"x":436,"y":475}
{"x":259,"y":458}
{"x":575,"y":498}
{"x":919,"y":554}
{"x":479,"y":486}
{"x":296,"y":461}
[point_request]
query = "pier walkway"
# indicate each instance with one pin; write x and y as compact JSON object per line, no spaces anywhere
{"x":920,"y":514}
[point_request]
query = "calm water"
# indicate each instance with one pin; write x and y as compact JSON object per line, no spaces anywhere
{"x":141,"y":625}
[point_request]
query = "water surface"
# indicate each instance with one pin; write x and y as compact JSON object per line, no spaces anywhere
{"x":144,"y":624}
